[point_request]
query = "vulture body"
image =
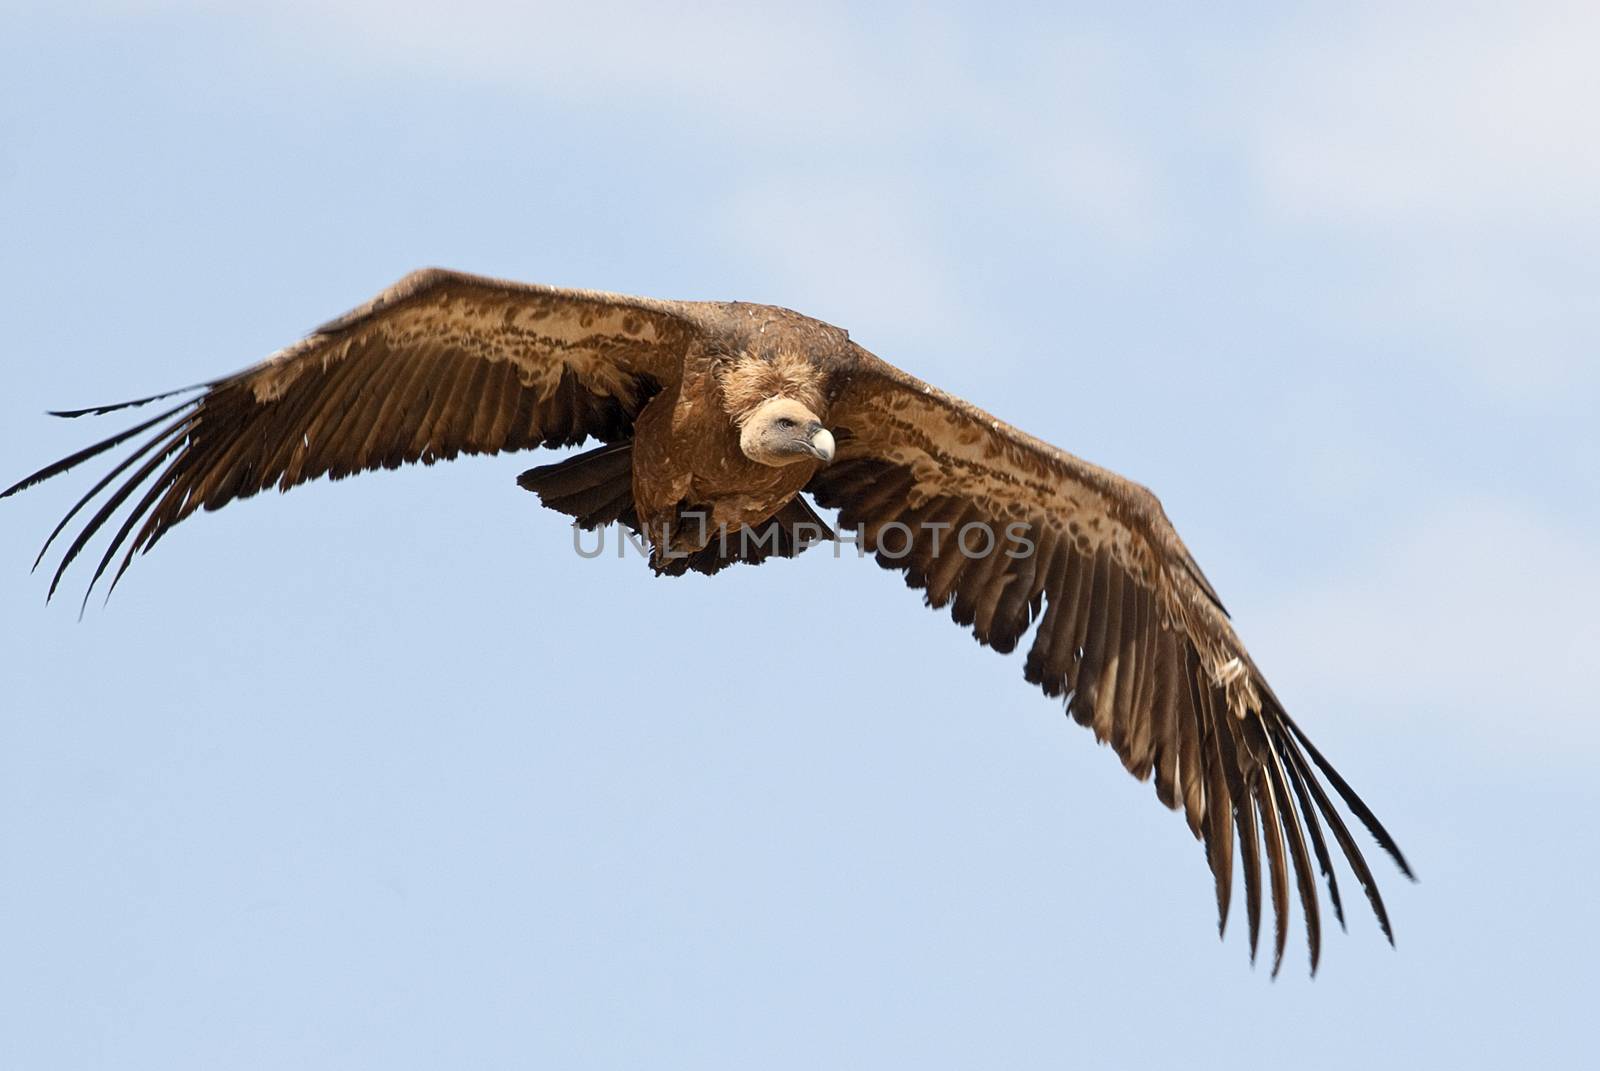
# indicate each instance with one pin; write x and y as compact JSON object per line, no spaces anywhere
{"x":714,"y":420}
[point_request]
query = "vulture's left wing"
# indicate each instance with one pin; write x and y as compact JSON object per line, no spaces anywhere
{"x":440,"y":364}
{"x":1009,"y":531}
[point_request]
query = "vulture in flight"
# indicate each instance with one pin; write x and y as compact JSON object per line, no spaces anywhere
{"x":714,"y":419}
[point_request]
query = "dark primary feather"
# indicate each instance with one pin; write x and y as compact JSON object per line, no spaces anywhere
{"x":102,"y":410}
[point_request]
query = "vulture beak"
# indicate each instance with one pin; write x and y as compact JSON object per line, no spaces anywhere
{"x":822,"y":445}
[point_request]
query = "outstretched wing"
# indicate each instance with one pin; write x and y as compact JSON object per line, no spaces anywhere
{"x":439,"y":364}
{"x":1009,"y":531}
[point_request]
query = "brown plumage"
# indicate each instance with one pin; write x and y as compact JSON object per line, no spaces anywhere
{"x":715,"y":417}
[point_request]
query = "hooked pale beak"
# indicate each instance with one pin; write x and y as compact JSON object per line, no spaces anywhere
{"x":822,"y":445}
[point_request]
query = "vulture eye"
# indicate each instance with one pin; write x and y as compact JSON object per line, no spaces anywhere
{"x":785,"y":423}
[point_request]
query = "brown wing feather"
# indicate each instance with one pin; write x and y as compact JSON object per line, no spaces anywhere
{"x":1129,"y":631}
{"x":438,"y":365}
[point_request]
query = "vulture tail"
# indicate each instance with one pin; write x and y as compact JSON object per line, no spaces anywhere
{"x":787,"y":533}
{"x":596,"y":486}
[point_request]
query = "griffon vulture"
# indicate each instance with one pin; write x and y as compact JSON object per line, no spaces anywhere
{"x":714,"y":418}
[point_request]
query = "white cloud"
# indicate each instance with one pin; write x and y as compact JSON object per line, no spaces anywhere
{"x":827,"y":90}
{"x":849,"y":252}
{"x":755,"y":68}
{"x":1481,"y":616}
{"x":1453,"y":152}
{"x":1454,"y":116}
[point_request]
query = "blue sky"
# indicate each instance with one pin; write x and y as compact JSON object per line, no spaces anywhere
{"x":380,"y":774}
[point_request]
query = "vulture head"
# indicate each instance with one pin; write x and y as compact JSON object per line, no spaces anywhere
{"x":781,"y":431}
